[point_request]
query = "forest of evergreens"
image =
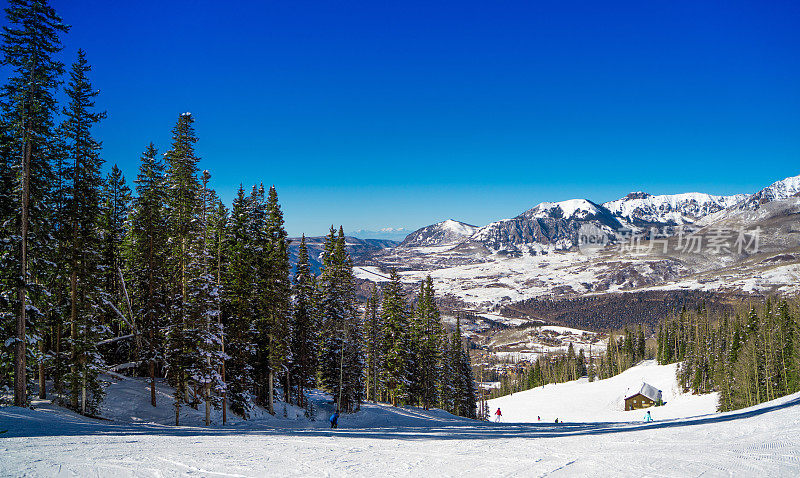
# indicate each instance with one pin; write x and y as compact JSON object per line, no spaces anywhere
{"x":749,"y":356}
{"x":165,"y":281}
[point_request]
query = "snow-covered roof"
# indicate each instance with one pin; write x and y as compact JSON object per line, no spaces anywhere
{"x":647,"y":390}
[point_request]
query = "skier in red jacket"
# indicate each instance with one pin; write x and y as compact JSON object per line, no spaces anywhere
{"x":498,"y":415}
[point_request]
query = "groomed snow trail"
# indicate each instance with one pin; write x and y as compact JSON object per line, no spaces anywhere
{"x":603,"y":400}
{"x":381,"y":441}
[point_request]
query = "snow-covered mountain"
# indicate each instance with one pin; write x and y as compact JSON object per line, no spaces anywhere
{"x":443,"y":233}
{"x":643,"y":209}
{"x":357,"y":248}
{"x":776,"y":191}
{"x":390,"y":233}
{"x":534,"y":253}
{"x":549,"y":225}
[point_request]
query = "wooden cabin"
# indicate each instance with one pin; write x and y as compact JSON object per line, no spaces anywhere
{"x":643,"y":397}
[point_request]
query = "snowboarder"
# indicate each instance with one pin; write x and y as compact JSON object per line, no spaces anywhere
{"x":647,"y":417}
{"x":498,"y":415}
{"x":334,"y":419}
{"x":556,"y":419}
{"x":538,"y":418}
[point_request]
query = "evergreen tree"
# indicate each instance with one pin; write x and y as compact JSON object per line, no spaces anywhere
{"x":373,"y":331}
{"x":340,"y":361}
{"x":238,"y":278}
{"x":396,"y":341}
{"x":429,"y":333}
{"x":182,"y":200}
{"x":116,"y":203}
{"x":304,"y":327}
{"x":276,"y":294}
{"x":30,"y":45}
{"x":86,"y":294}
{"x":147,"y":254}
{"x":465,"y":399}
{"x":204,"y":334}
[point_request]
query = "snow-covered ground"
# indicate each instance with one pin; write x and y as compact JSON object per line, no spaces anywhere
{"x":384,"y":441}
{"x":603,"y":400}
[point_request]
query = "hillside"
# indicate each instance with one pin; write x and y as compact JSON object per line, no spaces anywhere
{"x":603,"y":400}
{"x":381,"y":440}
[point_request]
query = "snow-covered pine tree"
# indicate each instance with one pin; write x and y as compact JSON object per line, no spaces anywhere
{"x":86,"y":294}
{"x":340,"y":360}
{"x":331,"y":319}
{"x":396,"y":325}
{"x":238,"y":279}
{"x":428,"y":324}
{"x":182,"y":199}
{"x":59,"y":280}
{"x":304,"y":327}
{"x":277,"y":298}
{"x":448,"y":380}
{"x":203,"y":332}
{"x":115,"y":207}
{"x":147,"y":254}
{"x":217,"y":233}
{"x":30,"y":45}
{"x":353,"y":360}
{"x":373,"y":350}
{"x":465,"y":399}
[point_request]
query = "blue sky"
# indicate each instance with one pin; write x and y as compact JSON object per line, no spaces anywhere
{"x":375,"y":114}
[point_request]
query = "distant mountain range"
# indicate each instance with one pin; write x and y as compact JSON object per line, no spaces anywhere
{"x":536,"y":252}
{"x":390,"y":233}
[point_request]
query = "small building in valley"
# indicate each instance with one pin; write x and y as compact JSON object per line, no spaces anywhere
{"x":642,"y":397}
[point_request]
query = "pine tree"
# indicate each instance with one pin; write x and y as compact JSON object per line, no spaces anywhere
{"x":341,"y":362}
{"x":147,"y":254}
{"x":465,"y":399}
{"x":30,"y":45}
{"x":115,"y":207}
{"x":204,"y":333}
{"x":182,"y":200}
{"x":304,"y":327}
{"x":276,"y":295}
{"x":396,"y":341}
{"x":373,"y":331}
{"x":429,"y":333}
{"x":86,"y":295}
{"x":238,"y":278}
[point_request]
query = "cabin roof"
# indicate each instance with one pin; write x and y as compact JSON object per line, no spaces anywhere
{"x":647,"y":390}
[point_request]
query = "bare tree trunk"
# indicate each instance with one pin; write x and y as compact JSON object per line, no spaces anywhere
{"x":208,"y":408}
{"x":57,"y":376}
{"x":152,"y":382}
{"x":20,"y":347}
{"x":270,"y":404}
{"x":287,"y":395}
{"x":83,"y":390}
{"x":73,"y":281}
{"x":42,"y":381}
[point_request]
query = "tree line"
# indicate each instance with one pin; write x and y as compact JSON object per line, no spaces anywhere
{"x":623,"y":350}
{"x":749,"y":356}
{"x":165,"y":281}
{"x":410,"y":358}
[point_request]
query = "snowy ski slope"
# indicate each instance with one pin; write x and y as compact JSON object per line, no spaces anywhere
{"x":385,"y":441}
{"x":603,"y":400}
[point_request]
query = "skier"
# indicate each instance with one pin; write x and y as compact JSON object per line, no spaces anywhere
{"x":498,"y":415}
{"x":556,"y":419}
{"x":538,"y":418}
{"x":647,"y":417}
{"x":334,"y":419}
